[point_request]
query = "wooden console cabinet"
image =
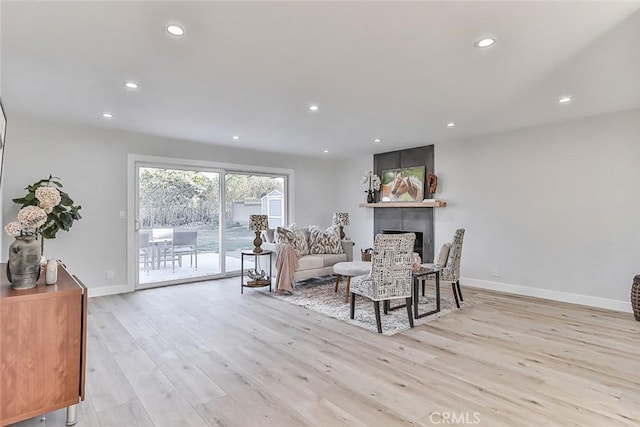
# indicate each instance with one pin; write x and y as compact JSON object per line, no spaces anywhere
{"x":42,"y":347}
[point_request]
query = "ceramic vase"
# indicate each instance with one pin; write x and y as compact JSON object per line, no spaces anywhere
{"x":370,"y":197}
{"x":23,"y":268}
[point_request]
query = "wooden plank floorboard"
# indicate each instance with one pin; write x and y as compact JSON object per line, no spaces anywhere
{"x":192,"y":383}
{"x":108,"y":386}
{"x":131,"y":414}
{"x":202,"y":354}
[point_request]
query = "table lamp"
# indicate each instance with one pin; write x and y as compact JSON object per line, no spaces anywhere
{"x":258,"y":223}
{"x":341,"y":219}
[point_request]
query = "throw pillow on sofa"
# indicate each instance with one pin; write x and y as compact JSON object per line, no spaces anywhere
{"x":297,"y":238}
{"x":325,"y":242}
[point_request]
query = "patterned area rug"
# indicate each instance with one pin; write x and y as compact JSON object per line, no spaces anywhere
{"x":317,"y":294}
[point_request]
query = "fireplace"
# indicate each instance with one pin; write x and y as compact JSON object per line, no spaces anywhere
{"x":417,"y":246}
{"x":419,"y":220}
{"x":414,"y":220}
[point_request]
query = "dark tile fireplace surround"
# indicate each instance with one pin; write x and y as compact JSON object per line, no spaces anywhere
{"x":419,"y":220}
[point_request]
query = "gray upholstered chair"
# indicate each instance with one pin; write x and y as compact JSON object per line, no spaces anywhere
{"x":451,"y":271}
{"x":391,"y":275}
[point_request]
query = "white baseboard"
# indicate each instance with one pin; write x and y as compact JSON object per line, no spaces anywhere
{"x":101,"y":291}
{"x":591,"y":301}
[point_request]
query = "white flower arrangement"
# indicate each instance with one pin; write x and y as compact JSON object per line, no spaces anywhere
{"x":372,"y":180}
{"x":14,"y":228}
{"x":49,"y":195}
{"x":30,"y":218}
{"x":48,"y":198}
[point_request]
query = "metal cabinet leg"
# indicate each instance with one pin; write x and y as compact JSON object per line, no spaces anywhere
{"x":72,"y":415}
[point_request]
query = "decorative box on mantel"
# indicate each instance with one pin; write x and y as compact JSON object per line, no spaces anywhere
{"x":432,"y":204}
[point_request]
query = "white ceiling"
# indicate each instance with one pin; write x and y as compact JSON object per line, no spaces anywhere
{"x":390,"y":70}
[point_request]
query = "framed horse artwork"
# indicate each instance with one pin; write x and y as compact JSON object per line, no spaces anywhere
{"x":402,"y":185}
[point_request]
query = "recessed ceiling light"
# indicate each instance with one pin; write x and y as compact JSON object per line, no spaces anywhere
{"x":107,"y":115}
{"x":564,"y":100}
{"x":485,"y":42}
{"x":314,"y":108}
{"x":175,"y":30}
{"x":236,"y":137}
{"x":450,"y":124}
{"x":325,"y":151}
{"x":131,"y":85}
{"x":377,"y":141}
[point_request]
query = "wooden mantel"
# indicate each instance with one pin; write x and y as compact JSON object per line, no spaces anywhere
{"x":434,"y":204}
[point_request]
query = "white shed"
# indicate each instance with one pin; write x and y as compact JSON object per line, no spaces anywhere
{"x":272,"y":204}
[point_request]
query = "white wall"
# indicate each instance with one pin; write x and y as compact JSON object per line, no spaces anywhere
{"x":555,"y":208}
{"x":92,"y":164}
{"x":351,"y":194}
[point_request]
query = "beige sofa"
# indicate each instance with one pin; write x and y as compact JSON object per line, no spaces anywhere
{"x":311,"y":265}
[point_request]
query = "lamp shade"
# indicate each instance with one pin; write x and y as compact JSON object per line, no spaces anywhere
{"x":258,"y":222}
{"x":341,"y":218}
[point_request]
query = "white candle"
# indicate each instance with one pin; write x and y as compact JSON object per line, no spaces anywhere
{"x":51,"y":273}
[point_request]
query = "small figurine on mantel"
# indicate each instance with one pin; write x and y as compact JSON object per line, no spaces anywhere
{"x":432,"y":182}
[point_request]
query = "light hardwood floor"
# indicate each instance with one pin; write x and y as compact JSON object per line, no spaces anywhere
{"x":202,"y":354}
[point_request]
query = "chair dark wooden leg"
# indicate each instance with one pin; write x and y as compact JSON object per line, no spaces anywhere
{"x":455,"y":294}
{"x":352,"y":305}
{"x":423,"y":283}
{"x":346,"y":294}
{"x":409,"y":311}
{"x":385,"y":306}
{"x":459,"y":291}
{"x":376,"y":308}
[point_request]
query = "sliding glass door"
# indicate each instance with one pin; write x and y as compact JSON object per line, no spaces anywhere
{"x":192,"y":222}
{"x":178,"y":225}
{"x":249,"y":194}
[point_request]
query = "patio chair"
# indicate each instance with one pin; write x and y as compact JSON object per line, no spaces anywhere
{"x":162,"y":240}
{"x":186,"y":243}
{"x":144,"y":250}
